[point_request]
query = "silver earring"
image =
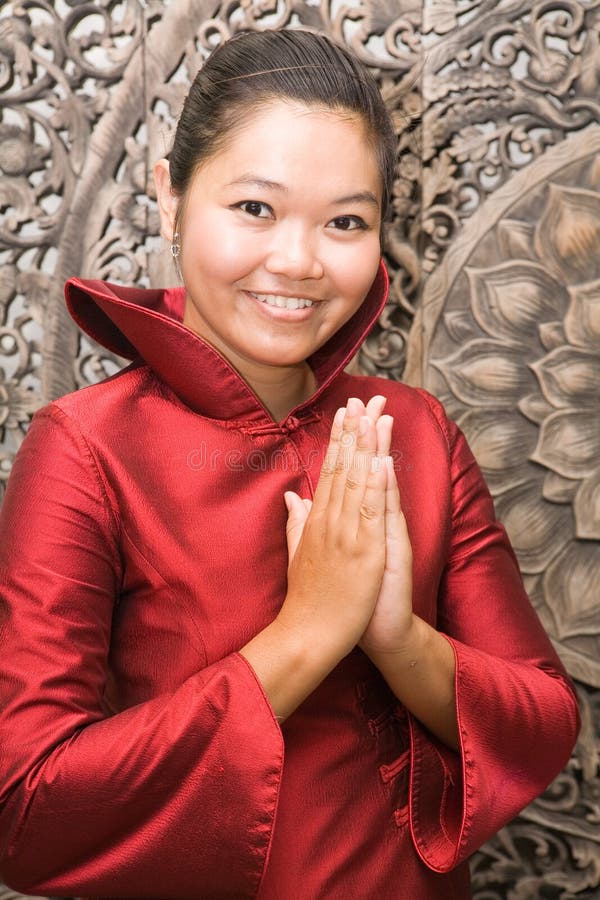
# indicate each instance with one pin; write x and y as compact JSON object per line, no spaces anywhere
{"x":175,"y":246}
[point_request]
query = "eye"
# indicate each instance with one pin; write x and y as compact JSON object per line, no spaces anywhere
{"x":255,"y":208}
{"x":348,"y":223}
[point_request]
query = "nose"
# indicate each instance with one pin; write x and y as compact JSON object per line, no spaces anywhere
{"x":293,"y":252}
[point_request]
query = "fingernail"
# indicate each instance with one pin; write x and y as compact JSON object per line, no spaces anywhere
{"x":354,"y":406}
{"x":339,"y":416}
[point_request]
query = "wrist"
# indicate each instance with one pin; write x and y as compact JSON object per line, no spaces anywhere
{"x":421,"y":670}
{"x":315,"y":637}
{"x":408,"y":643}
{"x":290,"y":663}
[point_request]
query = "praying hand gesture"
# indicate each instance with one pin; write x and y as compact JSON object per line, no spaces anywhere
{"x":350,"y":582}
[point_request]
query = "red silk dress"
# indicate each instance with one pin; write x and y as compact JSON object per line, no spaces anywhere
{"x":143,"y":543}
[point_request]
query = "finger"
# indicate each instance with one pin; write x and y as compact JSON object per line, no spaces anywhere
{"x":392,"y":491}
{"x":337,"y":425}
{"x":355,"y":407}
{"x":398,"y":549}
{"x":373,"y":502}
{"x":347,"y":447}
{"x":375,"y":407}
{"x":297,"y":516}
{"x":384,"y":428}
{"x":323,"y":488}
{"x":359,"y":472}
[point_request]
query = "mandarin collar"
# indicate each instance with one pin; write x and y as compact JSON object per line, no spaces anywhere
{"x":147,"y":323}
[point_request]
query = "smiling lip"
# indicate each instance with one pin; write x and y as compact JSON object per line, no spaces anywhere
{"x":282,"y":301}
{"x":282,"y":306}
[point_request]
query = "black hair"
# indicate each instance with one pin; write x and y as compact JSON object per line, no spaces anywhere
{"x":255,"y":68}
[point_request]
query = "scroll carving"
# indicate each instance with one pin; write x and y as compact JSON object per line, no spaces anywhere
{"x":492,"y":252}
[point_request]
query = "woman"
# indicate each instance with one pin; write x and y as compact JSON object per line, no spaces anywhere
{"x":205,"y":694}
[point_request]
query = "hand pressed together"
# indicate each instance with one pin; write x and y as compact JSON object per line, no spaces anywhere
{"x":350,"y":583}
{"x":357,"y":499}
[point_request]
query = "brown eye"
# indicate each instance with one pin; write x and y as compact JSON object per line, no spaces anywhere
{"x":348,"y":223}
{"x":255,"y":208}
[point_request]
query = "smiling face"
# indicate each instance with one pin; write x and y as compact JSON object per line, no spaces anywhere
{"x":279,"y":235}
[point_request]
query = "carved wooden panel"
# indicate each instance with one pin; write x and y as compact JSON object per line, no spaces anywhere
{"x":508,"y":335}
{"x":494,"y":252}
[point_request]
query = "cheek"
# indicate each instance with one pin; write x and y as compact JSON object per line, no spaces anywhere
{"x":356,"y":268}
{"x":212,"y":248}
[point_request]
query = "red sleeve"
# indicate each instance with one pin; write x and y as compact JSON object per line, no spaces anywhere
{"x":180,"y":791}
{"x":517,"y":710}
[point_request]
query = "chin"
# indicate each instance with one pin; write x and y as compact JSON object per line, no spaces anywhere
{"x":279,"y":358}
{"x":283,"y":362}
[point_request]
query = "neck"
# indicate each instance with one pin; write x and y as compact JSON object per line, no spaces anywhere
{"x":282,"y":389}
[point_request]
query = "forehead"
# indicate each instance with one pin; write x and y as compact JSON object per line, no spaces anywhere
{"x":294,"y":141}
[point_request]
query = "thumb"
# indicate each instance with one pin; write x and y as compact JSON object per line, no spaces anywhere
{"x":298,"y":511}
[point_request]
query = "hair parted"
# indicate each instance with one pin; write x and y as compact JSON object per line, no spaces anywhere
{"x":255,"y":68}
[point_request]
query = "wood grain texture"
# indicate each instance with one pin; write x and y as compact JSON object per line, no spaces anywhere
{"x":493,"y":252}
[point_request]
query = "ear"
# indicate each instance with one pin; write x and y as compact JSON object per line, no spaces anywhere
{"x":167,"y":200}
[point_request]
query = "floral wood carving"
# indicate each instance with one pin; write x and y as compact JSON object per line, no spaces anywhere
{"x":484,"y":94}
{"x":509,"y":338}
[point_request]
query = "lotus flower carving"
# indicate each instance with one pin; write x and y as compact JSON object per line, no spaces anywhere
{"x":522,"y":376}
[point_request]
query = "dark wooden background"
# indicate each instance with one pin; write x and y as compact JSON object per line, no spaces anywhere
{"x":494,"y":252}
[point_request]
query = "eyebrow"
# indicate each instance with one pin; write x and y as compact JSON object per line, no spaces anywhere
{"x":267,"y":184}
{"x":360,"y":197}
{"x":257,"y":181}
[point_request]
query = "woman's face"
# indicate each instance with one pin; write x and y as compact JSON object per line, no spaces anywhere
{"x":280,"y":235}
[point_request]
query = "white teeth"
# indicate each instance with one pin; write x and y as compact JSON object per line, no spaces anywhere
{"x":283,"y":302}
